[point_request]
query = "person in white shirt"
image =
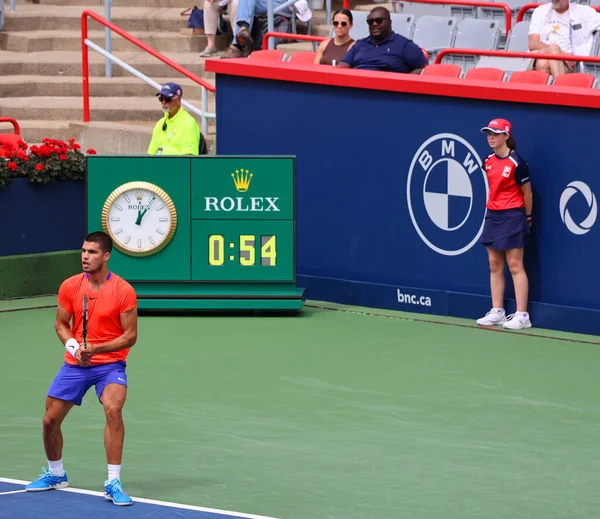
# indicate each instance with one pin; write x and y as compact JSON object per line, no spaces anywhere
{"x":561,"y":27}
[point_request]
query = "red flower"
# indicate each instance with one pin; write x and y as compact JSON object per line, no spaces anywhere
{"x":62,"y":157}
{"x":20,"y":154}
{"x":39,"y":167}
{"x":75,"y":146}
{"x":91,"y":152}
{"x":12,"y":166}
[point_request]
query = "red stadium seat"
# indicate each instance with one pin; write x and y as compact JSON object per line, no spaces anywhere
{"x":303,"y":57}
{"x":533,"y":77}
{"x":485,"y":73}
{"x":442,"y":70}
{"x":577,"y":79}
{"x":273,"y":55}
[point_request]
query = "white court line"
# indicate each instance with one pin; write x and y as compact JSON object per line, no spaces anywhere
{"x":147,"y":501}
{"x":12,"y":492}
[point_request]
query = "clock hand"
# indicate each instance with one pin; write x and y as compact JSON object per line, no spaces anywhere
{"x":139,"y":220}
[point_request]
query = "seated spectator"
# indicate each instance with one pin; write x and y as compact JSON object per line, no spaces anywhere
{"x":331,"y":51}
{"x":212,"y":9}
{"x":561,"y":27}
{"x":384,"y":49}
{"x":177,"y":132}
{"x":250,"y":11}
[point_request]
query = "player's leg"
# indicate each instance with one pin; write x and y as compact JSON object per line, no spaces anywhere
{"x":67,"y":389}
{"x":113,"y":400}
{"x":56,"y":412}
{"x":497,"y":315}
{"x":514,"y":259}
{"x":112,"y":393}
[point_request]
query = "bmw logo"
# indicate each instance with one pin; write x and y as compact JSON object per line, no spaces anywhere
{"x":447,"y":191}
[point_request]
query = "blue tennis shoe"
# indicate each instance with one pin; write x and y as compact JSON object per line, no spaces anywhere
{"x":113,"y":491}
{"x":48,"y":481}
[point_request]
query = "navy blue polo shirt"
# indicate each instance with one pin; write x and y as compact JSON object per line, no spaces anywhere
{"x":395,"y":54}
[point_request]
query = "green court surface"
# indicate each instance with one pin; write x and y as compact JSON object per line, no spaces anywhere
{"x":328,"y":414}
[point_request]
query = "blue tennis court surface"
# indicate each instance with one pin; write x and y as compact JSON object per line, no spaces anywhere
{"x":73,"y":503}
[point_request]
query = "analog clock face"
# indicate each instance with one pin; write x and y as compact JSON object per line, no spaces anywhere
{"x":140,"y":217}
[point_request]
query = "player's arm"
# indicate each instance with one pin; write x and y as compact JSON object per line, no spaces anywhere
{"x":126,"y":340}
{"x":524,"y":182}
{"x":527,"y":199}
{"x":62,"y":324}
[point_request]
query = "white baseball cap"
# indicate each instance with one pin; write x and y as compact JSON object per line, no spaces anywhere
{"x":303,"y":12}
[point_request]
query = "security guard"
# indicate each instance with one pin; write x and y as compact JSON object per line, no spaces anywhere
{"x":177,"y":133}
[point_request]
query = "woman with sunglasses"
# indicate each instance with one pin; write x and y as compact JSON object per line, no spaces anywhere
{"x":331,"y":51}
{"x":507,"y":223}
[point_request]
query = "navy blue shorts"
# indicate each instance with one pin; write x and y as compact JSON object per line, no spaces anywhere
{"x":504,"y":230}
{"x":72,"y":382}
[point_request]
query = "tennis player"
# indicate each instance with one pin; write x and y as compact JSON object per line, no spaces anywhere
{"x":112,"y":331}
{"x":507,"y":224}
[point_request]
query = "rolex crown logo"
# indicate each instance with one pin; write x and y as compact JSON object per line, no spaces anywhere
{"x":242,"y":179}
{"x":139,"y":195}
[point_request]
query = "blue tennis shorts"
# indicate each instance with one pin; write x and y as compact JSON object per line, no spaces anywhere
{"x":71,"y":383}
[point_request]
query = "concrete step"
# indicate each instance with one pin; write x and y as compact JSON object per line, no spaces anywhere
{"x":40,"y":41}
{"x":101,"y":108}
{"x":33,"y":131}
{"x":68,"y":63}
{"x":68,"y":86}
{"x":30,"y":17}
{"x":109,"y":138}
{"x":127,"y":138}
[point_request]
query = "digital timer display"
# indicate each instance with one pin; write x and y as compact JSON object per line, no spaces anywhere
{"x":247,"y":247}
{"x":243,"y":250}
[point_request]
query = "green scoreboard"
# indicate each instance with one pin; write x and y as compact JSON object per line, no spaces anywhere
{"x":199,"y":232}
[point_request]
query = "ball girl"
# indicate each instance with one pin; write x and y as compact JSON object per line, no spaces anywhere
{"x":507,"y":224}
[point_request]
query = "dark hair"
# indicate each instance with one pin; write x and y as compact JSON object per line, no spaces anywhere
{"x":102,"y":239}
{"x":345,"y":12}
{"x":511,"y":143}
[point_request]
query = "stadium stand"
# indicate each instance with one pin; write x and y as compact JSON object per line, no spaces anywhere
{"x":40,"y":60}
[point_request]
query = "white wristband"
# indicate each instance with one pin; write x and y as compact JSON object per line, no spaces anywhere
{"x":72,"y":346}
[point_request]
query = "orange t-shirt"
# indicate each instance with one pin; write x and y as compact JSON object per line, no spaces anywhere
{"x":104,"y":312}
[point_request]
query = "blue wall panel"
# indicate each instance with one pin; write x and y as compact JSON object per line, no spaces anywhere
{"x":356,"y":149}
{"x":41,"y":218}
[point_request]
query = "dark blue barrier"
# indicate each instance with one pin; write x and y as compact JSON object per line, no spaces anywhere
{"x":391,"y":195}
{"x":41,"y":218}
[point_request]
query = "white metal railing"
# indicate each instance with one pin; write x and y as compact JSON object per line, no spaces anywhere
{"x":204,"y":113}
{"x":107,"y":37}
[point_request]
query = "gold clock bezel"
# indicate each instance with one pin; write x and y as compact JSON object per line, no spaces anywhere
{"x":129,"y":186}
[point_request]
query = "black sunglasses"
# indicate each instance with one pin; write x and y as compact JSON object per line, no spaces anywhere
{"x":164,"y":99}
{"x":378,"y":21}
{"x":343,"y":24}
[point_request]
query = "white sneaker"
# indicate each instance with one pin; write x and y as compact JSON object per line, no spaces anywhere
{"x":495,"y":317}
{"x":518,"y":321}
